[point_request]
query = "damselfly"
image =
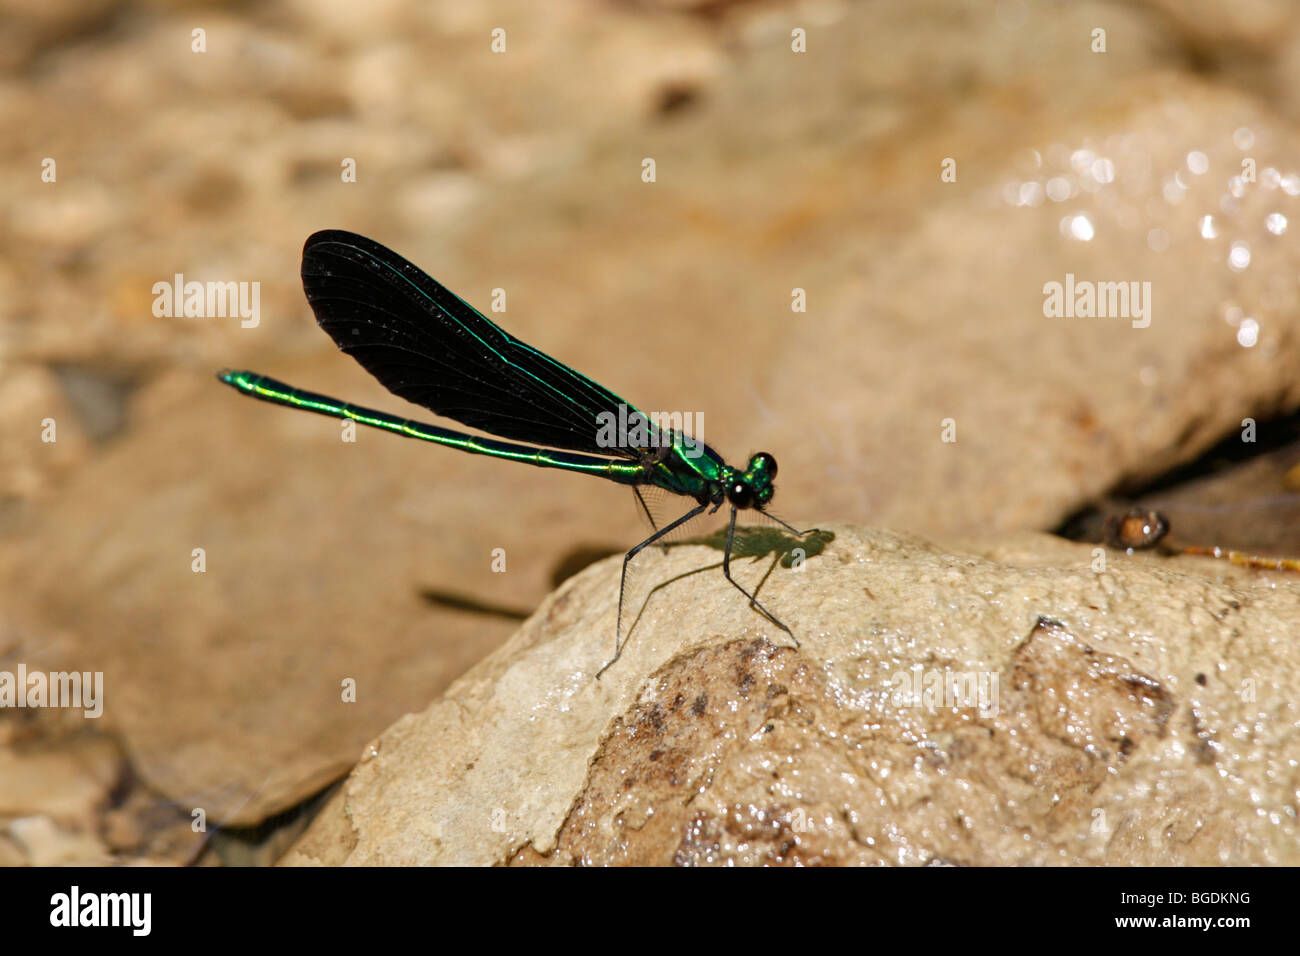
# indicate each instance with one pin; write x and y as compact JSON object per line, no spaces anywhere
{"x":427,"y":345}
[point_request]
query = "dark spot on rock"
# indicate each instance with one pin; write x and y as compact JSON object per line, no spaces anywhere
{"x":701,"y":702}
{"x":676,"y":97}
{"x":1201,"y":679}
{"x":629,"y":783}
{"x":656,"y":719}
{"x":678,"y":701}
{"x":746,"y":682}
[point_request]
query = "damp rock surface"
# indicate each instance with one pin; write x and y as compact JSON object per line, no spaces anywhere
{"x":1021,"y":701}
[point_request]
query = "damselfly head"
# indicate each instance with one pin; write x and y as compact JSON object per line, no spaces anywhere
{"x":753,"y":488}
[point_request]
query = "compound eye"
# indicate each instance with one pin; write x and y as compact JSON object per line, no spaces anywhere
{"x":740,"y":494}
{"x":764,"y":462}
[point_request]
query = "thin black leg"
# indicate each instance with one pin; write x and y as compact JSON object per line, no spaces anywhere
{"x":645,"y":508}
{"x":618,"y":634}
{"x":766,"y":514}
{"x":753,"y":601}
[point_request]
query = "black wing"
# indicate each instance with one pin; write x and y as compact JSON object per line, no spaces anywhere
{"x":427,"y":345}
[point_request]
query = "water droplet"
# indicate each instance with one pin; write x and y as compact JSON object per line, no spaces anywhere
{"x":1058,"y":189}
{"x":1239,"y":255}
{"x":1208,"y":231}
{"x":1248,"y":333}
{"x":1081,"y":229}
{"x":1103,"y":170}
{"x":1275,"y":223}
{"x":1243,"y":138}
{"x":1198,"y":162}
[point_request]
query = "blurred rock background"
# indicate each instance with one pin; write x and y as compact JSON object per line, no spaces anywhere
{"x":776,"y":170}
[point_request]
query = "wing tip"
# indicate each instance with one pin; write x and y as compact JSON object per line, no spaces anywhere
{"x":324,"y":237}
{"x":328,"y":250}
